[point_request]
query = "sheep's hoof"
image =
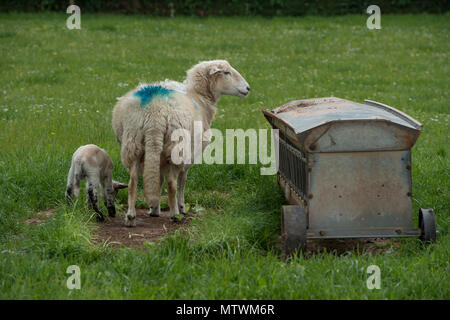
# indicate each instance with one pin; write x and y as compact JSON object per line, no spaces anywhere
{"x":112,"y":211}
{"x":100,"y":218}
{"x":182,"y":210}
{"x":154,"y":211}
{"x":130,"y":221}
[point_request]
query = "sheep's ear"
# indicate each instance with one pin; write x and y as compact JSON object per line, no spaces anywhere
{"x":118,"y":185}
{"x":214,"y":70}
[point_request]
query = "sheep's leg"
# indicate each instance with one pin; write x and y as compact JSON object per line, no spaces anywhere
{"x":73,"y":185}
{"x":76,"y":188}
{"x":172,"y":190}
{"x":69,"y":194}
{"x":69,"y":188}
{"x":182,"y":177}
{"x":88,"y":199}
{"x":130,"y":218}
{"x":92,"y":191}
{"x":108,"y":195}
{"x":104,"y":195}
{"x":161,"y":182}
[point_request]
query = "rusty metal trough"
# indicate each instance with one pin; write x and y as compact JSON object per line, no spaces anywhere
{"x":346,"y":169}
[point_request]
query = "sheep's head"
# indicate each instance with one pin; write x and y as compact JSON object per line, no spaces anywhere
{"x":218,"y":77}
{"x":228,"y":80}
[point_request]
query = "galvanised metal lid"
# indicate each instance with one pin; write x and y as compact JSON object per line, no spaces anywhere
{"x":338,"y":125}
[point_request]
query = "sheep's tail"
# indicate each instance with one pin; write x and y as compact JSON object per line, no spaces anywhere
{"x":153,"y":144}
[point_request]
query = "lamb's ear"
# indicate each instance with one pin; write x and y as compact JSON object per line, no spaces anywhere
{"x":214,"y":70}
{"x":118,"y":185}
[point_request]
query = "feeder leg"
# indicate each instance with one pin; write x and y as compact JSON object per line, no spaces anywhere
{"x":293,"y":229}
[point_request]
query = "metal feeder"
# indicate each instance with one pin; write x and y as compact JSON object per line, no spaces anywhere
{"x":346,"y":169}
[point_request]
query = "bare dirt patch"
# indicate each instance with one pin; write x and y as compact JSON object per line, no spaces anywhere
{"x":148,"y":229}
{"x":41,"y":217}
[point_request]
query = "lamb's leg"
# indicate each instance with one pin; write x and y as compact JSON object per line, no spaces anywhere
{"x":69,"y":188}
{"x":76,"y":188}
{"x":172,"y":190}
{"x":88,"y":199}
{"x":108,"y":195}
{"x":69,"y":194}
{"x":104,"y":195}
{"x":182,"y":177}
{"x":130,"y":218}
{"x":73,"y":185}
{"x":92,"y":191}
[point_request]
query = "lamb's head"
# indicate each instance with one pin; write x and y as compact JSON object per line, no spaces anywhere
{"x":217,"y":77}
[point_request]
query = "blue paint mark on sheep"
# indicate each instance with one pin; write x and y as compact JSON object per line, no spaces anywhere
{"x":196,"y":104}
{"x":147,"y":93}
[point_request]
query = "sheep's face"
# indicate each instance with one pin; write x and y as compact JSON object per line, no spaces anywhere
{"x":228,"y":80}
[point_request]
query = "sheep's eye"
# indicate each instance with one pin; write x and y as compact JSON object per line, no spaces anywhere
{"x":227,"y":72}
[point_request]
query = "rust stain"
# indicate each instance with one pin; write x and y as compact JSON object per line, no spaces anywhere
{"x":302,"y":106}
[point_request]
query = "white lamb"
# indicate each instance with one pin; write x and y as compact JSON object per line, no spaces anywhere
{"x":94,"y":164}
{"x":144,"y":119}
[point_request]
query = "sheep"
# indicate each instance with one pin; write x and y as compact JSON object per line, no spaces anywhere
{"x":144,"y":119}
{"x":94,"y":164}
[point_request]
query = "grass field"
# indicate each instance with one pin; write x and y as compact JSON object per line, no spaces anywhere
{"x":57,"y":91}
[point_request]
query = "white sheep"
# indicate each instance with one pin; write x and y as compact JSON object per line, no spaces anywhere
{"x":144,"y":119}
{"x":94,"y":164}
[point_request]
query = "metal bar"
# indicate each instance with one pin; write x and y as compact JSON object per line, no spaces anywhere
{"x":292,"y":166}
{"x":395,"y":112}
{"x":362,"y":233}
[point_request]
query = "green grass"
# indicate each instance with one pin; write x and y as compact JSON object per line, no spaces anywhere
{"x":57,"y":90}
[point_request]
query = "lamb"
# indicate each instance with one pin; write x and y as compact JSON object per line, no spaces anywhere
{"x":94,"y":164}
{"x":144,"y":119}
